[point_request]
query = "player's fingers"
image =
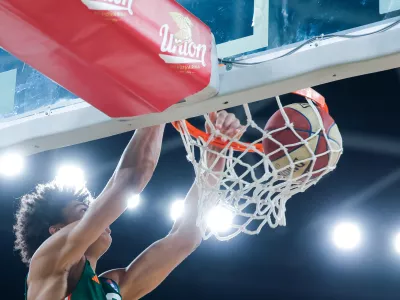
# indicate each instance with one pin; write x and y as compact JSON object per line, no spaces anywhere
{"x":220,"y":119}
{"x":213,"y":118}
{"x":234,"y":128}
{"x":229,"y":120}
{"x":240,"y":131}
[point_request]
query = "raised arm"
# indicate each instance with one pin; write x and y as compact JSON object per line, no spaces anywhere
{"x":148,"y":270}
{"x":132,"y":174}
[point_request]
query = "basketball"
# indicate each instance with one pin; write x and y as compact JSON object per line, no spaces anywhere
{"x":305,"y":124}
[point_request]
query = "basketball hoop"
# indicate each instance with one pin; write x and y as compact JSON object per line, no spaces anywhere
{"x":252,"y":186}
{"x":307,"y":93}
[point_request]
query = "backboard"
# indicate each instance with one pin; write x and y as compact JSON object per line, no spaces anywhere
{"x":36,"y":114}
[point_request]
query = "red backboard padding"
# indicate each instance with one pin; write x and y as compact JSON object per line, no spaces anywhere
{"x":125,"y":57}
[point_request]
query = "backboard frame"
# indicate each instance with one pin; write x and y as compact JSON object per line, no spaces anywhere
{"x":258,"y":40}
{"x":387,"y":6}
{"x":315,"y":64}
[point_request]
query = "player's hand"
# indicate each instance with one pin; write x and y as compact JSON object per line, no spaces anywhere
{"x":227,"y":124}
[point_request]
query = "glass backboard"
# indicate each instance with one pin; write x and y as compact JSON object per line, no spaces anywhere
{"x":242,"y":28}
{"x":247,"y":26}
{"x":25,"y":91}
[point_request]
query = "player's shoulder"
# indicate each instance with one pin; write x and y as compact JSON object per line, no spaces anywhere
{"x":56,"y":240}
{"x":44,"y":279}
{"x":49,"y":251}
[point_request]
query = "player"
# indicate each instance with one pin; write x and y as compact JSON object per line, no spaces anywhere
{"x":61,"y":233}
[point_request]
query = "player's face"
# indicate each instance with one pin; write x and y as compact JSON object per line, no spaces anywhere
{"x":75,"y":212}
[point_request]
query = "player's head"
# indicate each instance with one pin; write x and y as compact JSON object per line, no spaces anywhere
{"x":48,"y":209}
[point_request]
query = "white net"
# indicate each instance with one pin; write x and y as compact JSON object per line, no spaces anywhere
{"x":251,"y":191}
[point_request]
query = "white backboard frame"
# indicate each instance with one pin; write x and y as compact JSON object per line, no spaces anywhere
{"x":8,"y":81}
{"x":387,"y":6}
{"x":258,"y":40}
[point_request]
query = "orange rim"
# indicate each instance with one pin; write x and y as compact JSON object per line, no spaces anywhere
{"x":309,"y":93}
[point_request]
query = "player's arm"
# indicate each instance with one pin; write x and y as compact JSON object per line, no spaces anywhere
{"x":132,"y":174}
{"x":148,"y":270}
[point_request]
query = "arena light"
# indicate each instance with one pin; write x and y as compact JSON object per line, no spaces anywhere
{"x":134,"y":201}
{"x":346,"y":236}
{"x":219,"y":219}
{"x":397,"y":243}
{"x":176,"y":209}
{"x":71,"y":176}
{"x":11,"y":164}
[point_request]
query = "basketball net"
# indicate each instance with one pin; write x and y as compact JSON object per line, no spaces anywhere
{"x":250,"y":189}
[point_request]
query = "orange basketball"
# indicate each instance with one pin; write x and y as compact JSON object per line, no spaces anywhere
{"x":305,"y":124}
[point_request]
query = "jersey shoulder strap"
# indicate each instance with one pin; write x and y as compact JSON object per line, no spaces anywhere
{"x":110,"y":288}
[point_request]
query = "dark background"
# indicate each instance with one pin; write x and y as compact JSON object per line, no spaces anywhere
{"x":293,"y":262}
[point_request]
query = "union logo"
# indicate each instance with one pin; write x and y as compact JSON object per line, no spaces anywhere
{"x":110,"y":5}
{"x":180,"y":43}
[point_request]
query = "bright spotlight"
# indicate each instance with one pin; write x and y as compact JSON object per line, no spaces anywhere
{"x":133,"y":201}
{"x":346,"y":236}
{"x":71,"y":176}
{"x":220,"y":219}
{"x":11,"y":164}
{"x":177,"y":208}
{"x":397,"y":243}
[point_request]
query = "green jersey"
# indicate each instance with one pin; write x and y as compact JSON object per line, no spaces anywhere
{"x":90,"y":287}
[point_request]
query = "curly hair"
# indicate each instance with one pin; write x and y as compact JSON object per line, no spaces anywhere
{"x":41,"y":209}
